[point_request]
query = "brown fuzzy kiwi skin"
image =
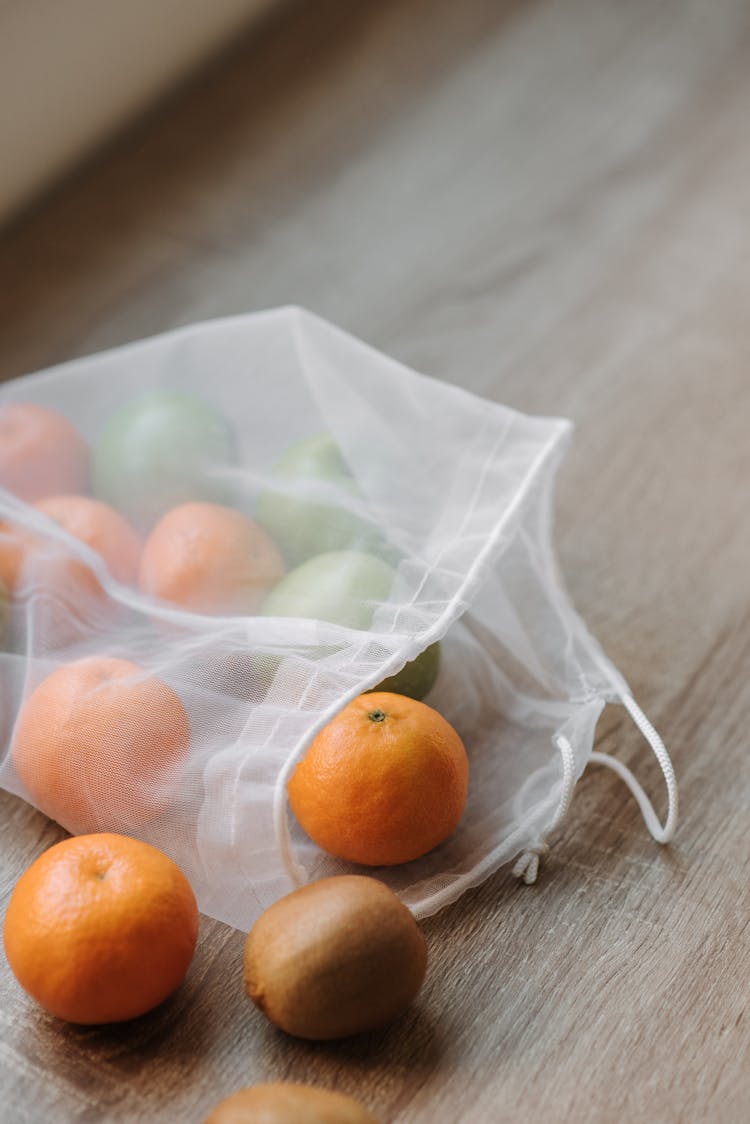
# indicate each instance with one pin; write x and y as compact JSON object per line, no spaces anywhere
{"x":289,"y":1104}
{"x":337,"y":957}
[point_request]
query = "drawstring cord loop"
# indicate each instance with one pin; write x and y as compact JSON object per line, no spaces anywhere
{"x":527,"y":865}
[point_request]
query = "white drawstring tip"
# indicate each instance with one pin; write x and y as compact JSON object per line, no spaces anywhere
{"x":527,"y":864}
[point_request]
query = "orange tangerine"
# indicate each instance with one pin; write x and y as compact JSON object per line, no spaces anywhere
{"x":101,"y":928}
{"x":41,"y":452}
{"x":209,"y":559}
{"x":94,"y":523}
{"x":99,"y":744}
{"x":383,"y":783}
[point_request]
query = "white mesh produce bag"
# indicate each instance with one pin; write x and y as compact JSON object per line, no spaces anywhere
{"x":452,"y":492}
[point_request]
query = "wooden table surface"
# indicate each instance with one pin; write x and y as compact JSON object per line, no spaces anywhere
{"x":548,"y":203}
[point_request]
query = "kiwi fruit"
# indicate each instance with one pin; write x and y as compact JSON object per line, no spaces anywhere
{"x":289,"y":1104}
{"x":337,"y":957}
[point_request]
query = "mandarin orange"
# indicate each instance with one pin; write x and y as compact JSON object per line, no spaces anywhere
{"x":100,"y":743}
{"x":41,"y":452}
{"x":93,"y":523}
{"x":383,"y":783}
{"x":68,"y":599}
{"x":209,"y":559}
{"x":101,"y":928}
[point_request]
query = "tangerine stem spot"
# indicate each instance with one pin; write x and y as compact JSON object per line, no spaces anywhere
{"x":377,"y":716}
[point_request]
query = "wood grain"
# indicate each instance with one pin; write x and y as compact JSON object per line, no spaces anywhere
{"x":546,"y":203}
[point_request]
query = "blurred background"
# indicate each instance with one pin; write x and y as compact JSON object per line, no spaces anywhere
{"x":72,"y":73}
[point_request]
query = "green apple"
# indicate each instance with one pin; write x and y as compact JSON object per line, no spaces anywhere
{"x":159,"y":451}
{"x":298,"y":519}
{"x":344,"y":587}
{"x":341,"y":586}
{"x":416,"y":678}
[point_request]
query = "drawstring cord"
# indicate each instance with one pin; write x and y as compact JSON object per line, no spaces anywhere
{"x":527,"y":865}
{"x":661,"y":833}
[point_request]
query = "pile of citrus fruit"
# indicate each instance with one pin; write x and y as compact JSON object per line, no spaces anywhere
{"x":155,"y":507}
{"x":102,"y":927}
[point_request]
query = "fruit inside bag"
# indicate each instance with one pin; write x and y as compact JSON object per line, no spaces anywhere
{"x":214,"y":540}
